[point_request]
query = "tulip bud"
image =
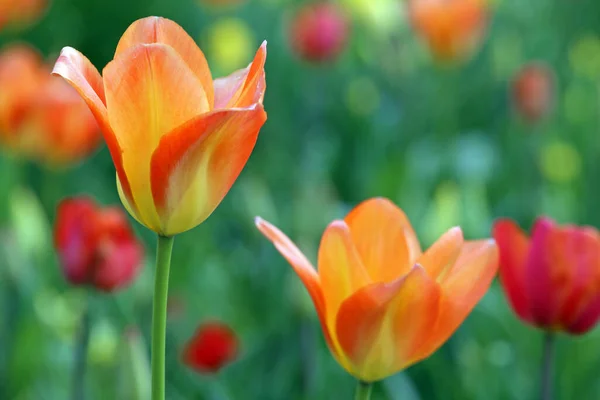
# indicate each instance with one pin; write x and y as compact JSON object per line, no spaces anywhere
{"x":532,"y":91}
{"x":96,"y":246}
{"x":213,"y":346}
{"x":319,"y":32}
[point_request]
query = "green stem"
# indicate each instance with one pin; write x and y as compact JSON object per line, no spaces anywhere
{"x":547,"y":363}
{"x":164,"y":247}
{"x":81,"y":351}
{"x":363,"y":391}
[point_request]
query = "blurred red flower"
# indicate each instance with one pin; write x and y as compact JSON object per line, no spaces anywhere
{"x":532,"y":91}
{"x":42,"y":117}
{"x":213,"y":346}
{"x":552,"y":279}
{"x":319,"y":32}
{"x":96,"y":246}
{"x":453,"y":29}
{"x":19,"y":13}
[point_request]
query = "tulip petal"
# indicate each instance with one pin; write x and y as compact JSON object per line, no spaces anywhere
{"x":303,"y":268}
{"x":546,"y":273}
{"x":340,"y":268}
{"x":588,"y":317}
{"x":196,"y":164}
{"x":442,"y":255}
{"x":244,"y":87}
{"x":384,"y":239}
{"x":76,"y":69}
{"x":462,"y":288}
{"x":582,"y":249}
{"x":162,"y":30}
{"x":149,"y":92}
{"x":514,"y":248}
{"x":379,"y":326}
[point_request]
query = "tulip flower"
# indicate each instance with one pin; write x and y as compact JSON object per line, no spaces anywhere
{"x":42,"y":117}
{"x":212,"y":347}
{"x":96,"y":246}
{"x":532,"y":91}
{"x":452,"y":29}
{"x":177,"y":138}
{"x":384,"y":304}
{"x":20,"y":13}
{"x":552,"y":280}
{"x":319,"y":32}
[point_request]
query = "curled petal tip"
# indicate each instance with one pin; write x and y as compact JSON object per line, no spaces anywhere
{"x":264,"y":45}
{"x":258,"y":221}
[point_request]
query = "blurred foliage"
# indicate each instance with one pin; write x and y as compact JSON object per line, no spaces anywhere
{"x":443,"y":142}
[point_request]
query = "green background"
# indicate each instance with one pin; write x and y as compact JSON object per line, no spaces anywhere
{"x":444,"y":143}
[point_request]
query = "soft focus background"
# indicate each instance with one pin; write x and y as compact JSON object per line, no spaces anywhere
{"x":444,"y":140}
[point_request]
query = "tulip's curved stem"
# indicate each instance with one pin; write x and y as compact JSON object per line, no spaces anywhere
{"x":81,"y":351}
{"x":363,"y":390}
{"x":547,"y":363}
{"x":164,"y":247}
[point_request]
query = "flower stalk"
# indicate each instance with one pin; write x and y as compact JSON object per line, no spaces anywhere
{"x":547,"y":366}
{"x":164,"y":248}
{"x":363,"y":391}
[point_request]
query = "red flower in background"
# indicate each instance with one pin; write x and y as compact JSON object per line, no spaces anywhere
{"x":532,"y":91}
{"x":453,"y":29}
{"x":319,"y":32}
{"x":96,"y":245}
{"x":42,"y":117}
{"x":552,"y":279}
{"x":213,"y":346}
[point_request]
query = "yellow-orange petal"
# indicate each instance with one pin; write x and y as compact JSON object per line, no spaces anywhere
{"x":302,"y":267}
{"x":162,"y":30}
{"x":380,"y":325}
{"x":384,"y":238}
{"x":462,"y":288}
{"x":149,"y":92}
{"x":340,"y":268}
{"x":443,"y":253}
{"x":196,"y":164}
{"x":232,"y":91}
{"x":76,"y":69}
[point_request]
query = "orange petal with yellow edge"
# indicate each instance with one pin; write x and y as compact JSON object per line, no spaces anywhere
{"x":443,"y":253}
{"x":196,"y":164}
{"x":302,"y":267}
{"x":514,"y":246}
{"x":76,"y":69}
{"x":251,"y":91}
{"x":149,"y":92}
{"x":381,"y":324}
{"x":384,"y":238}
{"x":462,"y":287}
{"x":340,"y":268}
{"x":162,"y":30}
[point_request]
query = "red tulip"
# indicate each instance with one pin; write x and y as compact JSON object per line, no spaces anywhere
{"x":552,"y":279}
{"x":212,"y":347}
{"x":532,"y":91}
{"x":319,"y":32}
{"x":96,"y":245}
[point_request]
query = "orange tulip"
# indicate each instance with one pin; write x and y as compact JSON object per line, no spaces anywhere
{"x":18,"y":13}
{"x":552,"y":279}
{"x":177,"y":138}
{"x":382,"y":303}
{"x":452,"y":29}
{"x":41,"y":117}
